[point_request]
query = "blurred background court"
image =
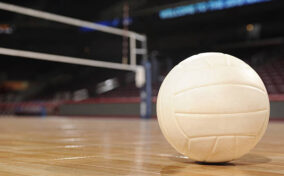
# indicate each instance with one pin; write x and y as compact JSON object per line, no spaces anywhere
{"x":74,"y":98}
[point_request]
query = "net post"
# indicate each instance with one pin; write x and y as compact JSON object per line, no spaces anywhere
{"x":42,"y":111}
{"x":146,"y":93}
{"x":144,"y":48}
{"x":132,"y":50}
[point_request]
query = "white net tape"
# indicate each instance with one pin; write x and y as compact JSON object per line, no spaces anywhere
{"x":69,"y":20}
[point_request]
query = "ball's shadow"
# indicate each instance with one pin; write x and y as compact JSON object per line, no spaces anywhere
{"x":187,"y":167}
{"x":248,"y":159}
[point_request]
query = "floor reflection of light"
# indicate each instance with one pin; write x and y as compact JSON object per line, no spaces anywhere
{"x":75,"y":157}
{"x":107,"y":144}
{"x":72,"y":139}
{"x":144,"y":136}
{"x":73,"y":146}
{"x":67,"y":127}
{"x":175,"y":156}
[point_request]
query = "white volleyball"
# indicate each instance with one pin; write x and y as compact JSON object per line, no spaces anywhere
{"x":213,"y":107}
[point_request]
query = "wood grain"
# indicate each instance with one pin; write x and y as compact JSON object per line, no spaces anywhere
{"x":67,"y":147}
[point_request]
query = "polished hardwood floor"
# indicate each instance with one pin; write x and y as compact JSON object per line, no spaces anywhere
{"x":100,"y":147}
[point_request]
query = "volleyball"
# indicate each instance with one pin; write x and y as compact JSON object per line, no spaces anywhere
{"x":213,"y":107}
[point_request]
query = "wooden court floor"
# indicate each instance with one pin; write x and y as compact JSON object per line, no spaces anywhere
{"x":99,"y":147}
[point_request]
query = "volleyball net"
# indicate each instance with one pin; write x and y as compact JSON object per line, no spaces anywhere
{"x":137,"y":48}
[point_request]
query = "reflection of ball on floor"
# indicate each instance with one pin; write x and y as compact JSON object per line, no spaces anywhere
{"x":213,"y":107}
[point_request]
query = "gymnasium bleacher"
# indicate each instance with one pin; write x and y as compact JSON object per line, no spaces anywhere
{"x":271,"y":72}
